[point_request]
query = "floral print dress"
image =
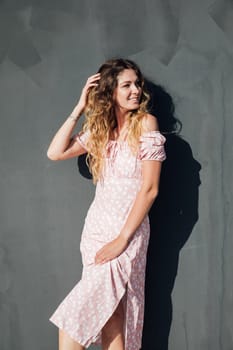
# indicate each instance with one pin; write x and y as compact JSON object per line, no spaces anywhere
{"x":92,"y":301}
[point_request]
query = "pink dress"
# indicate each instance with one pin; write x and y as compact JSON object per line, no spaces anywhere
{"x":86,"y":309}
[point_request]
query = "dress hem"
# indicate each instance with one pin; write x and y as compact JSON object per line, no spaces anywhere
{"x":68,"y":332}
{"x":87,"y":343}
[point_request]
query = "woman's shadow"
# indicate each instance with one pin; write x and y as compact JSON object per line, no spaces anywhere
{"x":172,"y":218}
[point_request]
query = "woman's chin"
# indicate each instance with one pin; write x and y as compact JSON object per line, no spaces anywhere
{"x":134,"y":106}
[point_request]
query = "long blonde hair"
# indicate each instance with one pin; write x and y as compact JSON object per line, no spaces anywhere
{"x":100,"y":115}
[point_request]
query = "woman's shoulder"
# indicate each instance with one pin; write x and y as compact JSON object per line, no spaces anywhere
{"x":149,"y":123}
{"x":150,"y":131}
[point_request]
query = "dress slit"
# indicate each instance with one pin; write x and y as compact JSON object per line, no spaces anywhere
{"x":122,"y":298}
{"x":85,"y":295}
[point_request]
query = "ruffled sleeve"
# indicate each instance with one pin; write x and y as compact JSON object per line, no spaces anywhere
{"x":151,"y":146}
{"x":82,"y":138}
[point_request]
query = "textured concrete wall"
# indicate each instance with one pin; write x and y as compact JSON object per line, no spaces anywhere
{"x":47,"y":49}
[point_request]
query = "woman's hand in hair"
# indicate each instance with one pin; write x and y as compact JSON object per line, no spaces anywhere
{"x":91,"y":82}
{"x":111,"y":250}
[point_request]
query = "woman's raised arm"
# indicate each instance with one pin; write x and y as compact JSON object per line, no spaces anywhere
{"x":62,"y":145}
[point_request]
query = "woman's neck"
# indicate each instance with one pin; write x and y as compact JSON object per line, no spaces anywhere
{"x":121,"y":119}
{"x":121,"y":130}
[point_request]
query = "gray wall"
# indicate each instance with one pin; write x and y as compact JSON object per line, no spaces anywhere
{"x":47,"y":50}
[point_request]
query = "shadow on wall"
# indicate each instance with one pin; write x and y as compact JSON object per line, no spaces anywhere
{"x":172,"y":218}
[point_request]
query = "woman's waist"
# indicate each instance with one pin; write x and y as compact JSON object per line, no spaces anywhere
{"x":103,"y":231}
{"x":110,"y":210}
{"x":115,"y":187}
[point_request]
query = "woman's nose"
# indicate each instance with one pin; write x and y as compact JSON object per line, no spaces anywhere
{"x":135,"y":88}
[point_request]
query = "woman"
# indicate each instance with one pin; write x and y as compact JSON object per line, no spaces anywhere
{"x":124,"y":151}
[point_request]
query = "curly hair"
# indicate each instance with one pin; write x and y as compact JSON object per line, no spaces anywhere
{"x":100,"y":113}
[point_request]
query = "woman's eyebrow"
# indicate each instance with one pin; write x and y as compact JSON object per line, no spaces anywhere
{"x":125,"y":81}
{"x":128,"y":81}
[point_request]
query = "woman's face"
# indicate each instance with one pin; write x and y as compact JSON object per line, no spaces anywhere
{"x":128,"y":92}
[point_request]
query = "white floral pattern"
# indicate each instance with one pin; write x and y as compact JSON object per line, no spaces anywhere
{"x":86,"y":309}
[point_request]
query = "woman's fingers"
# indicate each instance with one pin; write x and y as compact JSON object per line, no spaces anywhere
{"x":93,"y":78}
{"x":102,"y":257}
{"x":92,"y":81}
{"x":111,"y":250}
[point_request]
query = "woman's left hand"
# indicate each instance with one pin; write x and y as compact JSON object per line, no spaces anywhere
{"x":111,"y":250}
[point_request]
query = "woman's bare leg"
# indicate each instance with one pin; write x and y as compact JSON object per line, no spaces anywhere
{"x":112,"y":332}
{"x":66,"y":343}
